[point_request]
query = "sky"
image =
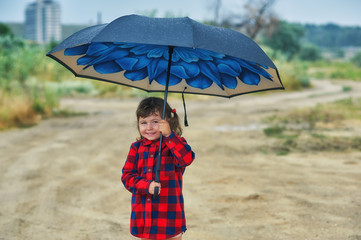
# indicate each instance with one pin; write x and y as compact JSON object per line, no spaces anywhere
{"x":342,"y":12}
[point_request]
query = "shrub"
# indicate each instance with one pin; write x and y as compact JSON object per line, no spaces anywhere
{"x":294,"y":75}
{"x":310,"y":53}
{"x":357,"y":59}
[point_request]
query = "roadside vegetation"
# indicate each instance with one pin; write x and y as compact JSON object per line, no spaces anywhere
{"x":325,"y":127}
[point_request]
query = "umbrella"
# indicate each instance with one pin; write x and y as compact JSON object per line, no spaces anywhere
{"x":169,"y":55}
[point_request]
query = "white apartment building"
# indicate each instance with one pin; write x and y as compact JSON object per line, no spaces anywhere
{"x":42,"y":21}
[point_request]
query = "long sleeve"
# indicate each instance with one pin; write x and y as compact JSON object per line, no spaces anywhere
{"x":131,"y":178}
{"x":182,"y":152}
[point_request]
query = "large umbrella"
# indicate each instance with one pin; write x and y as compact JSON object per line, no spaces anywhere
{"x":169,"y":55}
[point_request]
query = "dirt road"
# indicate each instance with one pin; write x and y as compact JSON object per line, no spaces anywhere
{"x":61,"y":178}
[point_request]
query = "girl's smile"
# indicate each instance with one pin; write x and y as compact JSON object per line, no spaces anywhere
{"x":149,"y":127}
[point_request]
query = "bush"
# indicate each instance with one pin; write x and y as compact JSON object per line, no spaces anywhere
{"x":23,"y":100}
{"x":357,"y":59}
{"x":274,"y":131}
{"x":294,"y":75}
{"x":310,"y":53}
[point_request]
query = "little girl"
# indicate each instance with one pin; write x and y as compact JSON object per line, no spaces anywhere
{"x":161,"y":218}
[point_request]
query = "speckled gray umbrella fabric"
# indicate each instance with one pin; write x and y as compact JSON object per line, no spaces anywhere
{"x":133,"y":50}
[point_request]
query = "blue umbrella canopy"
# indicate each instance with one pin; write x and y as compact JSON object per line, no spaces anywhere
{"x":134,"y":51}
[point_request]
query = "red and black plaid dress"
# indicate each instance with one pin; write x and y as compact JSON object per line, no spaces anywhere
{"x":162,"y":218}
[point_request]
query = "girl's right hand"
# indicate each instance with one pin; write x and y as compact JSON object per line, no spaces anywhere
{"x":165,"y":128}
{"x":152,"y":186}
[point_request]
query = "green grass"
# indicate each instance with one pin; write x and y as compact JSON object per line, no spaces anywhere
{"x":308,"y":129}
{"x":334,"y":70}
{"x":335,"y":112}
{"x":71,"y":88}
{"x":346,"y":88}
{"x":67,"y":113}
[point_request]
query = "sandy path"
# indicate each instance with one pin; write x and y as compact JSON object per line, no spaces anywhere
{"x":61,"y":179}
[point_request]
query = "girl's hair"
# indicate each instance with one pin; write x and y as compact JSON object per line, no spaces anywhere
{"x":154,"y":105}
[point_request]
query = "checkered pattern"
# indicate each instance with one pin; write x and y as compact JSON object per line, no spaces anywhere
{"x":162,"y":218}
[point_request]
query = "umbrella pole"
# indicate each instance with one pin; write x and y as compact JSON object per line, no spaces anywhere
{"x":157,"y":171}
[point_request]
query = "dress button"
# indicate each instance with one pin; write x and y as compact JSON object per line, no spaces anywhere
{"x":148,"y":199}
{"x":151,"y":155}
{"x":149,"y":170}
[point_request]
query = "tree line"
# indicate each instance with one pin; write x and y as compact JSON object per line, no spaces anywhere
{"x":333,"y":35}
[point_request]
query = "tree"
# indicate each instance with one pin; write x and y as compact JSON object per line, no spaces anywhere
{"x":258,"y":16}
{"x":286,"y":38}
{"x":215,"y":8}
{"x":255,"y":16}
{"x":333,"y":36}
{"x":5,"y":30}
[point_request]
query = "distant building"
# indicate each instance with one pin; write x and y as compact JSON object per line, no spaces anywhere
{"x":99,"y":18}
{"x":42,"y":21}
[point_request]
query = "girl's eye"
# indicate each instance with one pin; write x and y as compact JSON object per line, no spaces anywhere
{"x":155,"y":121}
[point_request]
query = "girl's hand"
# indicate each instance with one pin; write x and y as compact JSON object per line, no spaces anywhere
{"x":165,"y":128}
{"x":152,"y":186}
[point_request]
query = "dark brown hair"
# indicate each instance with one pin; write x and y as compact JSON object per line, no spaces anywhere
{"x":154,"y":105}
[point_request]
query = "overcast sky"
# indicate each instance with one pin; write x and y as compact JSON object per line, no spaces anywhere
{"x":342,"y":12}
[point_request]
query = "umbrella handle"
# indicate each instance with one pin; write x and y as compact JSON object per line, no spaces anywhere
{"x":157,"y":169}
{"x":156,"y":193}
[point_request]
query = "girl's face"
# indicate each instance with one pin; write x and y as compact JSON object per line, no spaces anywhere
{"x":149,"y":127}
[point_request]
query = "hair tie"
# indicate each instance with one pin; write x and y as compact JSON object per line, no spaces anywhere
{"x":173,"y":110}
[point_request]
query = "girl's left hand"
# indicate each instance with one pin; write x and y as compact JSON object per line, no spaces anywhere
{"x":165,"y":128}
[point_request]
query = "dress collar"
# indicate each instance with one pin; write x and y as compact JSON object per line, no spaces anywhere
{"x":147,"y":142}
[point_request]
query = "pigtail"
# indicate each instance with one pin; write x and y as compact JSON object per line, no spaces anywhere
{"x":174,"y":123}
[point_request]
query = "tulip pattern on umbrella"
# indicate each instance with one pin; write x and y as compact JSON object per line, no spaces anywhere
{"x":198,"y":67}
